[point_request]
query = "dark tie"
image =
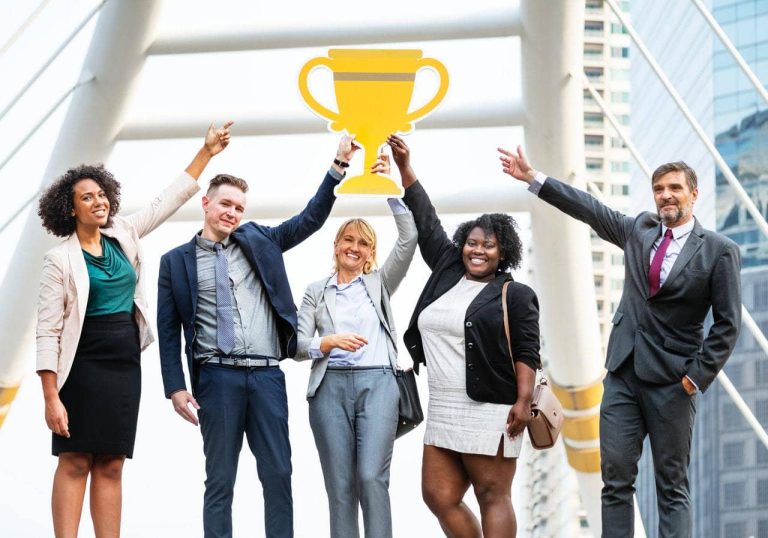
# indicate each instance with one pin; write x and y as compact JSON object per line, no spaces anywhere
{"x":654,"y":274}
{"x":225,"y":325}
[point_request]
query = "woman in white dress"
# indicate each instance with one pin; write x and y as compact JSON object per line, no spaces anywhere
{"x":478,"y":405}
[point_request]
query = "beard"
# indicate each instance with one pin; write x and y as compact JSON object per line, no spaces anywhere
{"x":670,"y":217}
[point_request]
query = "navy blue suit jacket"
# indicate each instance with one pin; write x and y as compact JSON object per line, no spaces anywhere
{"x":263,"y":246}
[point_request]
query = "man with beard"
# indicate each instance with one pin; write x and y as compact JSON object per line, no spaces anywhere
{"x":658,"y":357}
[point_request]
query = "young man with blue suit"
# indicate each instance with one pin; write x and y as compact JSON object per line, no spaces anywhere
{"x":228,"y":290}
{"x":659,"y":357}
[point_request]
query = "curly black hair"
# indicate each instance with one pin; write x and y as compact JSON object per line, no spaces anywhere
{"x":504,"y":228}
{"x":57,"y":202}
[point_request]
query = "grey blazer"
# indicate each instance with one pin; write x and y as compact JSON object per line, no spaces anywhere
{"x":318,"y":308}
{"x":665,"y":332}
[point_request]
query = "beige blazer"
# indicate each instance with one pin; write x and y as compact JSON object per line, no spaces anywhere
{"x":64,"y":284}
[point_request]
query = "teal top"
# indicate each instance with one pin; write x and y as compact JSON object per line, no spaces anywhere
{"x":113,"y":280}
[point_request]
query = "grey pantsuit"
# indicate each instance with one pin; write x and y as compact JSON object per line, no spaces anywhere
{"x":353,"y":412}
{"x":657,"y":340}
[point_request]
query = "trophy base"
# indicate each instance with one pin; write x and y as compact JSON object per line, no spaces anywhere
{"x":370,"y":185}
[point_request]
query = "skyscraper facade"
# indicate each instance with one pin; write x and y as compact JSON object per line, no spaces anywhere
{"x":729,"y":465}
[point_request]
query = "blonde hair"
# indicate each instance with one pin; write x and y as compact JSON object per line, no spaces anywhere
{"x":367,"y":232}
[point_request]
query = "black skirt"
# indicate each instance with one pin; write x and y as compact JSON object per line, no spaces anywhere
{"x":101,"y":394}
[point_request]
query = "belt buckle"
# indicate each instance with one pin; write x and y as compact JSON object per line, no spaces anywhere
{"x":239,"y":362}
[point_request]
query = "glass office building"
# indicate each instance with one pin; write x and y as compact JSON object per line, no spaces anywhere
{"x":729,"y":465}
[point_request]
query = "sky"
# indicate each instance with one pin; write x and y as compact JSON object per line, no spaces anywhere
{"x":163,"y":485}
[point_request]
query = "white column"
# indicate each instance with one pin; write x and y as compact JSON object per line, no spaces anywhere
{"x":116,"y":56}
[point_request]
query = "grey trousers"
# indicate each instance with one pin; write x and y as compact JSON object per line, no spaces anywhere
{"x":353,"y":416}
{"x":632,"y":409}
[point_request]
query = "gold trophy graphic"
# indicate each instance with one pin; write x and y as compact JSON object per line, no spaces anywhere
{"x":373,"y":90}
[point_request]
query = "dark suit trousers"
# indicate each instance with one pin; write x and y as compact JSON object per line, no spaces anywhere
{"x":630,"y":410}
{"x":250,"y":401}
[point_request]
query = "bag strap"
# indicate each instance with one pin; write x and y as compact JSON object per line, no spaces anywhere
{"x":506,"y":323}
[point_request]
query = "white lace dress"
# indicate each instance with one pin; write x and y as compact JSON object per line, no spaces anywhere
{"x":454,"y":421}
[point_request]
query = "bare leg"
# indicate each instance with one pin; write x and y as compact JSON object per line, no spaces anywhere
{"x":107,"y":495}
{"x":68,"y":491}
{"x":491,"y":478}
{"x":444,"y":482}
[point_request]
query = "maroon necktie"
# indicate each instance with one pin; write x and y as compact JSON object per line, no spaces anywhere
{"x":654,"y":274}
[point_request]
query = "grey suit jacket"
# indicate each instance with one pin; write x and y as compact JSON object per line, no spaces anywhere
{"x":318,"y":308}
{"x":665,"y":332}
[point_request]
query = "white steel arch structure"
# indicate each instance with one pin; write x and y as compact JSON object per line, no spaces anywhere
{"x":550,"y":112}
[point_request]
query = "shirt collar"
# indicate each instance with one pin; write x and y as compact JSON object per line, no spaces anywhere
{"x":207,"y":244}
{"x":680,"y":231}
{"x":334,"y":281}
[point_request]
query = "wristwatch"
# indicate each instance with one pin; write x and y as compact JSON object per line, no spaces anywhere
{"x":342,"y":164}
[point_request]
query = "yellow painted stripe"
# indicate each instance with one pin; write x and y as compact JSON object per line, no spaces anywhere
{"x":584,"y":460}
{"x":582,"y":428}
{"x":577,"y":398}
{"x":7,"y":394}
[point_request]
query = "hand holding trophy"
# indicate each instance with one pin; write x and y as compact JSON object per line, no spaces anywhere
{"x":373,"y":90}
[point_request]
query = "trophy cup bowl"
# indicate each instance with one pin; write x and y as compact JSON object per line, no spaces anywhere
{"x":373,"y":89}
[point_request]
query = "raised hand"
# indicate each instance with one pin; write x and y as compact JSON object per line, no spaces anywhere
{"x":516,"y":165}
{"x":381,"y":166}
{"x":401,"y":153}
{"x":216,"y":139}
{"x":347,"y":149}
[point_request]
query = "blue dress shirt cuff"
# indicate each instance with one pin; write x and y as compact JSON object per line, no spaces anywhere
{"x":314,"y":348}
{"x":335,"y":174}
{"x":397,"y":206}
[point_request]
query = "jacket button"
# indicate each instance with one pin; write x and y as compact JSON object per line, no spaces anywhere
{"x":468,"y":324}
{"x":470,"y":366}
{"x":470,"y":345}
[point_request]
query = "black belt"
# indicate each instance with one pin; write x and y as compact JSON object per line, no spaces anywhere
{"x":243,"y":361}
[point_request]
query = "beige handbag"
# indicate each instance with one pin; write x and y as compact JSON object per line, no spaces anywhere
{"x":546,"y":411}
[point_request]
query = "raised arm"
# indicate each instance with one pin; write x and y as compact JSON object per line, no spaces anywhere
{"x":184,"y":187}
{"x":611,"y":225}
{"x":433,"y":241}
{"x":398,"y":261}
{"x":296,"y":229}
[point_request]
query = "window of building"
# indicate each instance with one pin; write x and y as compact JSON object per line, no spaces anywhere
{"x":595,"y":74}
{"x":618,"y":28}
{"x":599,"y":280}
{"x":733,"y":454}
{"x":761,"y":412}
{"x":735,"y":373}
{"x":594,"y":6}
{"x":593,"y":28}
{"x":762,"y":492}
{"x":597,"y":257}
{"x":761,"y":372}
{"x":620,"y":52}
{"x":593,"y":141}
{"x":594,"y":165}
{"x":617,"y":142}
{"x":620,"y":166}
{"x":761,"y":453}
{"x":731,"y":416}
{"x":733,"y":495}
{"x":620,"y":97}
{"x":760,"y":295}
{"x":620,"y":190}
{"x":762,"y":528}
{"x":593,"y":119}
{"x":593,"y":50}
{"x":600,"y":306}
{"x":735,"y":529}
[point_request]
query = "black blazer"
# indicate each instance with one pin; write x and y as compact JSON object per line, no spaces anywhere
{"x":490,"y":377}
{"x":263,"y":246}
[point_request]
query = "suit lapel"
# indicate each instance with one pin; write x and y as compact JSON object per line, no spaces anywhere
{"x":190,"y":264}
{"x":692,"y":245}
{"x":329,"y":295}
{"x":648,"y":240}
{"x":79,"y":274}
{"x":489,"y":293}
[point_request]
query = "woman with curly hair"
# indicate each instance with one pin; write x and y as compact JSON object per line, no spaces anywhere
{"x":479,"y":403}
{"x":92,"y":324}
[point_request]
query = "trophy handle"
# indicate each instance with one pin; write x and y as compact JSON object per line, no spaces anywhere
{"x":443,"y":72}
{"x":304,"y":88}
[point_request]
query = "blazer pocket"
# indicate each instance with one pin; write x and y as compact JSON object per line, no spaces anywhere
{"x":697,"y":273}
{"x":680,"y":347}
{"x":617,"y":317}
